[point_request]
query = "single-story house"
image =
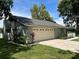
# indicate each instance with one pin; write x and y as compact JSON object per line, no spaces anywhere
{"x":42,"y":29}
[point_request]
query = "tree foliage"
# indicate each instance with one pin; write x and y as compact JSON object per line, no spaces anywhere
{"x":44,"y":15}
{"x":40,"y":13}
{"x":64,"y":9}
{"x":5,"y":6}
{"x":35,"y":11}
{"x":69,"y":11}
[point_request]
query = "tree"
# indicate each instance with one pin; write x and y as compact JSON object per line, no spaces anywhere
{"x":40,"y":13}
{"x":68,"y":10}
{"x":5,"y":6}
{"x":10,"y":29}
{"x":35,"y":12}
{"x":64,"y":9}
{"x":44,"y":15}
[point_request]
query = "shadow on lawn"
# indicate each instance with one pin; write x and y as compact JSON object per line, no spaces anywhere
{"x":76,"y":56}
{"x":7,"y":49}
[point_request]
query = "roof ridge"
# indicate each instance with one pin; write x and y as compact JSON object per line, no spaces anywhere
{"x":43,"y":20}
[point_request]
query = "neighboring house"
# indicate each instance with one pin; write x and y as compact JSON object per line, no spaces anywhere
{"x":71,"y":32}
{"x":41,"y":29}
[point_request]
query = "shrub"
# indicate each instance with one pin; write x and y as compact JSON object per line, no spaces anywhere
{"x":65,"y":52}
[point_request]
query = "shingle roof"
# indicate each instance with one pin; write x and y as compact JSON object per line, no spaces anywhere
{"x":23,"y":20}
{"x":46,"y":23}
{"x":35,"y":22}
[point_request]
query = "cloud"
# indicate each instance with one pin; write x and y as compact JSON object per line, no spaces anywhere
{"x":60,"y":21}
{"x":17,"y":13}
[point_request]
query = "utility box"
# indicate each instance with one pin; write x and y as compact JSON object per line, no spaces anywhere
{"x":71,"y":34}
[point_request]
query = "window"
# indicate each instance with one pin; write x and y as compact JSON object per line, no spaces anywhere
{"x":52,"y":29}
{"x":46,"y":29}
{"x":41,"y":29}
{"x":35,"y":29}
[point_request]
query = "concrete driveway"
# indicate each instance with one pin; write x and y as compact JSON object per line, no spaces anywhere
{"x":62,"y":44}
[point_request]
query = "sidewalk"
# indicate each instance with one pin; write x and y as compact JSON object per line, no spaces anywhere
{"x":72,"y":38}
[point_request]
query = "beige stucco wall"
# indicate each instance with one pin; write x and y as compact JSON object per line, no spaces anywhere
{"x":43,"y":33}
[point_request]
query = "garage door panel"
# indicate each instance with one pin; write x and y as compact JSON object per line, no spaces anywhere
{"x":43,"y":35}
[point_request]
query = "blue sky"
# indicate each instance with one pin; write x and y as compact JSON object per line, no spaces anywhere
{"x":22,"y":8}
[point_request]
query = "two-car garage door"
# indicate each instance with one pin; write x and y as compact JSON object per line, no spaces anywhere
{"x":43,"y":33}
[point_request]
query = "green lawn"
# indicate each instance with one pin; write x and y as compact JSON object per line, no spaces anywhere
{"x":76,"y":39}
{"x":9,"y":51}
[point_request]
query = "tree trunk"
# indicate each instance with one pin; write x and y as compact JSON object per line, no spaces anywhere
{"x":77,"y":28}
{"x":15,"y":32}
